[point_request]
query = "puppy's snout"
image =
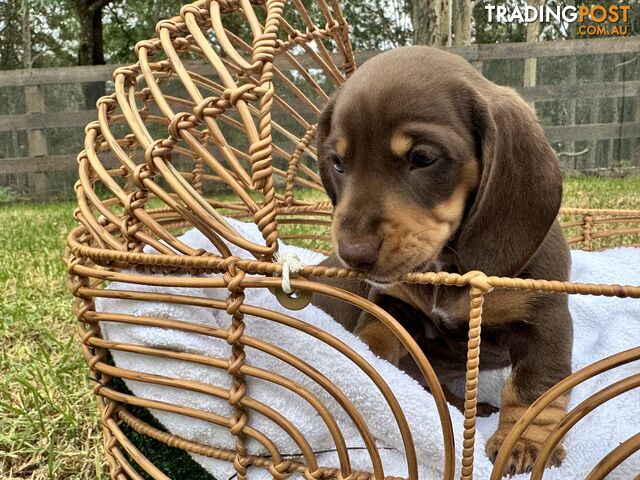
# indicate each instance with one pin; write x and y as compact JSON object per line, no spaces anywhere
{"x":359,"y":253}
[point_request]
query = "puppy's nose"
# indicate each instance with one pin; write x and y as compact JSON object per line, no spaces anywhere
{"x":360,"y":253}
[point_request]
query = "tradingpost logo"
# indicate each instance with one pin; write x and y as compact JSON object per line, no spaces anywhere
{"x":595,"y":20}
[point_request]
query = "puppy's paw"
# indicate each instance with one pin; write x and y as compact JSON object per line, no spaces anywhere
{"x":523,"y":455}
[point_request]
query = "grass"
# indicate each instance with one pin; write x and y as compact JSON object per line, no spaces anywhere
{"x":592,"y":192}
{"x":48,"y":424}
{"x":49,"y":427}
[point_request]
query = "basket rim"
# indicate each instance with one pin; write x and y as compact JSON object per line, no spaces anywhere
{"x":208,"y":262}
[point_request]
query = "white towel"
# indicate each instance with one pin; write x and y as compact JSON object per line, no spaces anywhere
{"x":603,"y":326}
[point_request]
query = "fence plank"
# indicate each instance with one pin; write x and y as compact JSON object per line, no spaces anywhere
{"x":512,"y":50}
{"x":571,"y":91}
{"x":473,"y":53}
{"x":44,"y":120}
{"x":50,"y":163}
{"x":58,"y":75}
{"x":35,"y":121}
{"x":595,"y":131}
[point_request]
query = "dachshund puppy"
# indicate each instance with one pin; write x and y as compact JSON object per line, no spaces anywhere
{"x":431,"y":167}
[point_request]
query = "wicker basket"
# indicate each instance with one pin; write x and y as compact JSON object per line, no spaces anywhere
{"x":223,"y":105}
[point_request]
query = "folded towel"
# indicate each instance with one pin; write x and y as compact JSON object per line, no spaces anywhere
{"x":603,"y":326}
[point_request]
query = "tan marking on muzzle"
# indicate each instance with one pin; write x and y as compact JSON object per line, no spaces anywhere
{"x":410,"y":234}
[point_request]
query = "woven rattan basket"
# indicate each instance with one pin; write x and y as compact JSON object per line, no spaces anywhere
{"x":217,"y":118}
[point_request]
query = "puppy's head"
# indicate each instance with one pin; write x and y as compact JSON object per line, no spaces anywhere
{"x":420,"y":154}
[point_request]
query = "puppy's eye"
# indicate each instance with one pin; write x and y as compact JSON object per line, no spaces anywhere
{"x":337,"y":163}
{"x":421,"y":158}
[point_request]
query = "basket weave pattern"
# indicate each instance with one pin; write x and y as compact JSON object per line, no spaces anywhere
{"x":174,"y":138}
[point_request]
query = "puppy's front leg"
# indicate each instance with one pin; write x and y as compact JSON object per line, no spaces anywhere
{"x":380,"y":339}
{"x":541,"y":357}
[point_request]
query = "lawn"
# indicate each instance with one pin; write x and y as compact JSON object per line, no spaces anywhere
{"x":48,"y":424}
{"x":49,"y":427}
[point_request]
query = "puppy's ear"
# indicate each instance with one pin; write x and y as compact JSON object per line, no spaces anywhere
{"x":322,"y":133}
{"x":520,"y":188}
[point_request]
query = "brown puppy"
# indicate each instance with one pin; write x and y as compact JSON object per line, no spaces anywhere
{"x":432,"y":167}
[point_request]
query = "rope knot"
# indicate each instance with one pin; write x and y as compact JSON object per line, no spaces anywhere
{"x":181,"y":121}
{"x":243,"y":92}
{"x":290,"y":264}
{"x":478,"y":280}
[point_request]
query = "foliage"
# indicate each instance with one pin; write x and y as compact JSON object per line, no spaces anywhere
{"x":486,"y":32}
{"x":129,"y":21}
{"x":7,"y":195}
{"x":54,"y":33}
{"x":375,"y":24}
{"x":378,"y":24}
{"x":55,"y":28}
{"x":10,"y":34}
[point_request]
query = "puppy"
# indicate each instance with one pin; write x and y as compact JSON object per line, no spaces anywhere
{"x":431,"y":167}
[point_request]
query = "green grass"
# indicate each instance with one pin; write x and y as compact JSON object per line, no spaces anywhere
{"x":48,"y":423}
{"x":591,"y":192}
{"x":49,"y":427}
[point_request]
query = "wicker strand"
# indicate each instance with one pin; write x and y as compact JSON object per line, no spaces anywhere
{"x":233,"y":277}
{"x":198,"y":169}
{"x":293,"y":163}
{"x":479,"y":288}
{"x":587,"y":227}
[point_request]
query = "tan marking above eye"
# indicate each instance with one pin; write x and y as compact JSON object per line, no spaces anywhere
{"x":401,"y":143}
{"x":341,"y":146}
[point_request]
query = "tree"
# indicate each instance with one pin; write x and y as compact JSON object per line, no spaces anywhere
{"x":10,"y":35}
{"x":375,"y":24}
{"x":463,"y":21}
{"x":486,"y":32}
{"x":427,"y":18}
{"x":91,"y":48}
{"x":445,"y":22}
{"x":532,"y":35}
{"x":89,"y":14}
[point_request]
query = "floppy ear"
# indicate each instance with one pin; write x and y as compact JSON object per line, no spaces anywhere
{"x":322,"y":133}
{"x":520,"y":188}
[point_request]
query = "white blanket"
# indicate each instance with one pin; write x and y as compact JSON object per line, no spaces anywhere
{"x":603,"y":326}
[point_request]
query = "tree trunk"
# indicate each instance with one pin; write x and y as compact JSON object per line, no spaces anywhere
{"x":464,"y":17}
{"x":426,"y":16}
{"x":26,"y":38}
{"x":531,"y":64}
{"x":572,"y":29}
{"x":91,"y":51}
{"x":444,"y":25}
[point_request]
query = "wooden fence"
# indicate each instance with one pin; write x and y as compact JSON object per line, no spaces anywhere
{"x":586,"y":93}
